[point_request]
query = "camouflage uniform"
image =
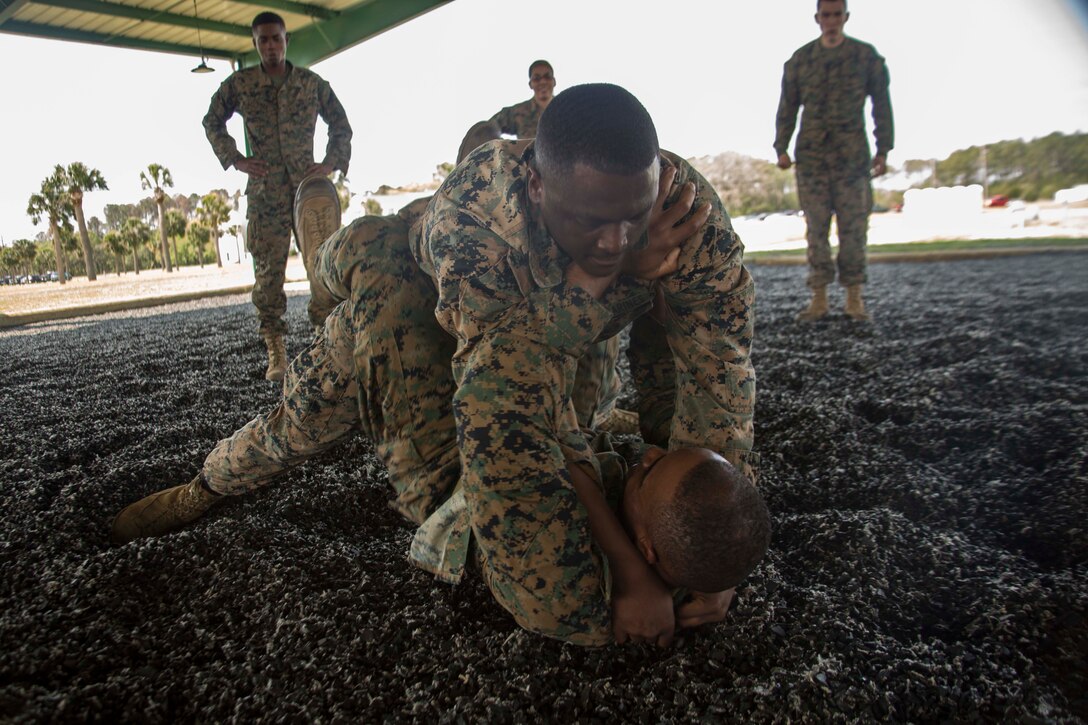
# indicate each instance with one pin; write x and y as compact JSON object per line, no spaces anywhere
{"x":832,"y":153}
{"x":520,"y":119}
{"x":520,"y":331}
{"x":280,"y":119}
{"x":596,"y":384}
{"x":382,"y":364}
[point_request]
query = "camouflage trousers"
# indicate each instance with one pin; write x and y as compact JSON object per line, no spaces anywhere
{"x":268,"y":238}
{"x":823,"y":192}
{"x":382,"y":366}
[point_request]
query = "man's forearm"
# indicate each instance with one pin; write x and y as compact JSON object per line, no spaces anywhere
{"x":626,"y":563}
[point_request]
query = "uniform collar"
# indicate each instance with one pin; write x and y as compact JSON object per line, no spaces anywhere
{"x":267,"y":79}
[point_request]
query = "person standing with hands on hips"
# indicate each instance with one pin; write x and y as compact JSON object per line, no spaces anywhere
{"x":280,"y":104}
{"x":831,"y":78}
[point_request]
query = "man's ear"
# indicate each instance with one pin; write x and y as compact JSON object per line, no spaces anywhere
{"x":646,"y":548}
{"x":536,"y":186}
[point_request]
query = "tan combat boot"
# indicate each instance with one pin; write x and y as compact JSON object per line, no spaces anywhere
{"x":316,"y":215}
{"x":620,"y":421}
{"x":855,"y":307}
{"x":817,"y":308}
{"x":277,"y":357}
{"x":163,"y":512}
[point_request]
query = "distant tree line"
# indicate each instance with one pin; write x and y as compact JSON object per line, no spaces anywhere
{"x":1028,"y":170}
{"x":159,"y":231}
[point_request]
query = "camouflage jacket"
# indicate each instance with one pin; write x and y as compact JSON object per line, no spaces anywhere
{"x":519,"y":120}
{"x":520,"y":330}
{"x":279,"y":120}
{"x":832,"y":84}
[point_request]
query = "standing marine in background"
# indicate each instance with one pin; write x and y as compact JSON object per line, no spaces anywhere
{"x":280,"y":105}
{"x":831,"y":77}
{"x":521,"y":119}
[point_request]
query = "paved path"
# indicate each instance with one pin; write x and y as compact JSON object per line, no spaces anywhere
{"x":27,"y":304}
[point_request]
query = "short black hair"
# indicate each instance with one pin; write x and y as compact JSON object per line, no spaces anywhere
{"x":844,"y":7}
{"x":267,"y":18}
{"x":599,"y":124}
{"x":714,"y":531}
{"x":480,"y":133}
{"x":535,"y":63}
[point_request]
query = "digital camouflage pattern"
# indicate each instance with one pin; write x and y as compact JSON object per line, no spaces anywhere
{"x":520,"y":332}
{"x":280,"y":120}
{"x":597,"y":384}
{"x":382,"y":364}
{"x":519,"y":120}
{"x":832,"y":152}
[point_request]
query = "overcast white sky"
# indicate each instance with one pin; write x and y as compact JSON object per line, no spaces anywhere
{"x":963,"y":72}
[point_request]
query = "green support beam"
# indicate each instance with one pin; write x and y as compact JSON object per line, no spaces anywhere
{"x":290,"y":6}
{"x":8,"y":8}
{"x":353,"y":26}
{"x":138,"y":13}
{"x":112,"y":41}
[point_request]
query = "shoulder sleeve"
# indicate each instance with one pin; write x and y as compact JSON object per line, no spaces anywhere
{"x":877,"y":83}
{"x":709,"y":325}
{"x":788,"y":104}
{"x":338,"y":148}
{"x":506,"y":121}
{"x":223,"y":104}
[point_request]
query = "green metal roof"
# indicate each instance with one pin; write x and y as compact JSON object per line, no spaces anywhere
{"x":209,"y":28}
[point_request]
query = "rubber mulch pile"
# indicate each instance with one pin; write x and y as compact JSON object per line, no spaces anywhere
{"x":927,"y":474}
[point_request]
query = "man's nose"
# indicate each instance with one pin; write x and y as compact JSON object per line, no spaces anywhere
{"x":613,"y":239}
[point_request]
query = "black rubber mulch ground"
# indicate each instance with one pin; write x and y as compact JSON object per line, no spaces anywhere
{"x":927,"y":475}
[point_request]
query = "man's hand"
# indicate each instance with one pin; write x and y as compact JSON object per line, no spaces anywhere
{"x":784,"y":161}
{"x":642,"y":611}
{"x":319,"y":170}
{"x":880,"y":165}
{"x":704,"y":608}
{"x":665,"y":232}
{"x":252,"y":166}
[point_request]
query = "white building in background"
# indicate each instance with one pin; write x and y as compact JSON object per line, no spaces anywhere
{"x":946,"y":203}
{"x":1075,"y":195}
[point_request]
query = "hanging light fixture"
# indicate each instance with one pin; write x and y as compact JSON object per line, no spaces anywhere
{"x":203,"y":67}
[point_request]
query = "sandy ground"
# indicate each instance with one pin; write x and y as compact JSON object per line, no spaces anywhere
{"x":148,"y":285}
{"x":110,"y":292}
{"x":927,"y":475}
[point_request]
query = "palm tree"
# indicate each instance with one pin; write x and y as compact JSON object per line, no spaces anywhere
{"x":343,"y":191}
{"x":27,"y":249}
{"x":155,"y":178}
{"x":213,"y":212}
{"x":81,"y":180}
{"x":136,"y":234}
{"x":54,"y":204}
{"x":175,"y":227}
{"x":199,"y":236}
{"x":9,"y":261}
{"x":116,"y":244}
